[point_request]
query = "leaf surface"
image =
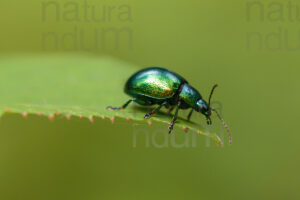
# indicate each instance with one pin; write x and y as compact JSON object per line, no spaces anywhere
{"x":71,"y":85}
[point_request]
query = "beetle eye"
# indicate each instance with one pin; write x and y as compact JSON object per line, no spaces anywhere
{"x":201,"y":105}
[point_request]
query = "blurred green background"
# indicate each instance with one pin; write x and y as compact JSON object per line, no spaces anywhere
{"x":250,"y":48}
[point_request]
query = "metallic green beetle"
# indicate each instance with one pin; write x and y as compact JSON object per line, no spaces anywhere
{"x":156,"y":85}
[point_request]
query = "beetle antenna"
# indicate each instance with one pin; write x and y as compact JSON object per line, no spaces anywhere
{"x":212,"y":91}
{"x":224,"y":124}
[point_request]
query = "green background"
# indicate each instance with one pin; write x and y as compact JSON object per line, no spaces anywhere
{"x":207,"y":42}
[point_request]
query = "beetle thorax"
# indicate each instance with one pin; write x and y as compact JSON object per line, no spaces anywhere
{"x":189,"y":96}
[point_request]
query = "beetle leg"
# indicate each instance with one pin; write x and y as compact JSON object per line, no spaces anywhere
{"x":171,"y":109}
{"x":148,"y":115}
{"x":121,"y":108}
{"x":174,"y":117}
{"x":190,"y":114}
{"x":188,"y":118}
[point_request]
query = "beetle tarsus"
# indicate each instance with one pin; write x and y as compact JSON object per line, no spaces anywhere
{"x":113,"y":108}
{"x":171,"y":127}
{"x":147,"y":116}
{"x":123,"y":107}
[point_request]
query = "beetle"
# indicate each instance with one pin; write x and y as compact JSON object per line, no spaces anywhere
{"x":157,"y":85}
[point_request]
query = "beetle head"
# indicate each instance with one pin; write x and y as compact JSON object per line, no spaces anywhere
{"x":203,"y":107}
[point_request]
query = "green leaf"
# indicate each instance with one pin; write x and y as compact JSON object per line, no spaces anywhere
{"x":71,"y":85}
